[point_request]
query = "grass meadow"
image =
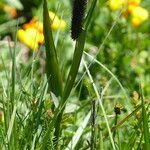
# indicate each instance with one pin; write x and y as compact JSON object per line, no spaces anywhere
{"x":74,"y":75}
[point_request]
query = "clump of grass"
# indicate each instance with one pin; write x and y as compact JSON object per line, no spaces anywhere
{"x":32,"y":121}
{"x":80,"y":42}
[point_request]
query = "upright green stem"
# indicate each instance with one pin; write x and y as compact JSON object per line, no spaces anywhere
{"x":93,"y":125}
{"x":52,"y":67}
{"x":80,"y":42}
{"x":70,"y":81}
{"x":75,"y":65}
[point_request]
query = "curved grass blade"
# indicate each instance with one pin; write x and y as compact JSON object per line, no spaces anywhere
{"x":117,"y":80}
{"x":101,"y":105}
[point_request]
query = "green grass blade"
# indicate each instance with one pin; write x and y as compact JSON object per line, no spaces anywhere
{"x":90,"y":13}
{"x":78,"y":53}
{"x":52,"y":66}
{"x":11,"y":125}
{"x":5,"y":27}
{"x":80,"y":42}
{"x":145,"y":124}
{"x":75,"y":65}
{"x":115,"y":78}
{"x":70,"y":82}
{"x":13,"y":138}
{"x":101,"y":105}
{"x":79,"y":132}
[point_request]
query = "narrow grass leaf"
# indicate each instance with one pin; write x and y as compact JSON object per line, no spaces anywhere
{"x":101,"y":105}
{"x":11,"y":124}
{"x":145,"y":124}
{"x":79,"y":132}
{"x":104,"y":67}
{"x":5,"y":27}
{"x":75,"y":64}
{"x":70,"y":80}
{"x":52,"y":66}
{"x":90,"y":13}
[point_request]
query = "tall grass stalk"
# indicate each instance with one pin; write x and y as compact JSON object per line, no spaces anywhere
{"x":101,"y":105}
{"x":110,"y":72}
{"x":12,"y":96}
{"x":80,"y":42}
{"x":93,"y":125}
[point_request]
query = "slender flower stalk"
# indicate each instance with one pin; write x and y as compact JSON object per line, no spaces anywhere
{"x":52,"y":67}
{"x":79,"y":47}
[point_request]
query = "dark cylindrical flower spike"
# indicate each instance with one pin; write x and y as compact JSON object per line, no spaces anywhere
{"x":78,"y":12}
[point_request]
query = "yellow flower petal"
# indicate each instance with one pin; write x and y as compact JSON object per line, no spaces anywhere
{"x":116,"y":4}
{"x":53,"y":16}
{"x":27,"y":38}
{"x":34,"y":24}
{"x":35,"y":37}
{"x":56,"y":22}
{"x":140,"y":13}
{"x":135,"y":21}
{"x":32,"y":35}
{"x":39,"y":26}
{"x":131,"y":7}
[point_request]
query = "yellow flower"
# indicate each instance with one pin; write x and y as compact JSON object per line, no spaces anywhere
{"x":135,"y":21}
{"x":140,"y":13}
{"x":34,"y":23}
{"x":116,"y":4}
{"x":131,"y":8}
{"x":132,"y":4}
{"x":56,"y":22}
{"x":35,"y":35}
{"x":28,"y":37}
{"x":32,"y":32}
